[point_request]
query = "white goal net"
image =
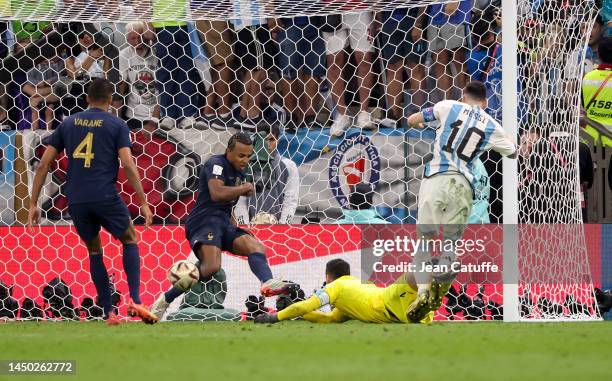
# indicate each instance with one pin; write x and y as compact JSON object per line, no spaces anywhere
{"x":324,"y":88}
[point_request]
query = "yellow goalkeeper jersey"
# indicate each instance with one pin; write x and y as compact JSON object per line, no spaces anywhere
{"x":352,"y":299}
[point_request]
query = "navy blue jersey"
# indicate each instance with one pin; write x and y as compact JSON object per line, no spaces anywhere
{"x":216,"y":167}
{"x":92,"y":140}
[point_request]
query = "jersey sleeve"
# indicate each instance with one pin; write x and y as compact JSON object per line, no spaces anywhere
{"x":431,"y":114}
{"x":501,"y":142}
{"x":329,"y":293}
{"x":123,"y":138}
{"x":214,"y":169}
{"x":56,"y":139}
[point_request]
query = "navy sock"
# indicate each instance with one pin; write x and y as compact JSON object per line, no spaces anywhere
{"x":172,"y":294}
{"x":131,"y":265}
{"x":99,"y":276}
{"x":259,"y":266}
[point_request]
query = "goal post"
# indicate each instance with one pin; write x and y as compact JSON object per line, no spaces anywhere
{"x":335,"y":79}
{"x":510,"y":173}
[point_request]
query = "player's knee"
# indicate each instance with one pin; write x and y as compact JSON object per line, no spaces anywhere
{"x":210,"y":267}
{"x":129,"y":236}
{"x":93,"y":246}
{"x":257,"y":247}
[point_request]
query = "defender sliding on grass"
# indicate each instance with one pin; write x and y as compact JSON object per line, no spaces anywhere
{"x":93,"y":139}
{"x":353,"y":300}
{"x":211,"y":228}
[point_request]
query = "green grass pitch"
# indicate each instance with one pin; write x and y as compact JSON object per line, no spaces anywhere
{"x":303,"y":351}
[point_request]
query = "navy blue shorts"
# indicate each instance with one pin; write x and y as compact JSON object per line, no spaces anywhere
{"x":89,"y":217}
{"x":214,"y":232}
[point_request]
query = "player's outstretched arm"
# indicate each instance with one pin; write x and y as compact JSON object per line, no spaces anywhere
{"x":39,"y":179}
{"x":219,"y":192}
{"x":131,"y":172}
{"x":336,"y":316}
{"x":416,"y":120}
{"x":295,"y":310}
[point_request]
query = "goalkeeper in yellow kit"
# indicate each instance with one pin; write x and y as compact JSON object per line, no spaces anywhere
{"x":353,"y":300}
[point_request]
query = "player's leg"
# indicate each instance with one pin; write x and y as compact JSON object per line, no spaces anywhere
{"x":205,"y":241}
{"x":210,"y":263}
{"x":431,"y":204}
{"x":88,"y":229}
{"x":115,"y":218}
{"x":240,"y":242}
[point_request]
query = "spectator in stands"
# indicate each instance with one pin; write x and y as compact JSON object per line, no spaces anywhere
{"x":27,"y":32}
{"x":448,"y":41}
{"x":596,"y":95}
{"x":39,"y":89}
{"x":137,"y":66}
{"x":278,"y":195}
{"x":217,"y":37}
{"x":302,"y":52}
{"x":176,"y":75}
{"x":87,"y":63}
{"x":484,"y":62}
{"x":352,"y":29}
{"x":402,"y":47}
{"x":255,"y":51}
{"x":360,"y":209}
{"x":591,"y":59}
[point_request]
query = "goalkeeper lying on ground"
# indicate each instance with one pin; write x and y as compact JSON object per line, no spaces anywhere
{"x":352,"y":299}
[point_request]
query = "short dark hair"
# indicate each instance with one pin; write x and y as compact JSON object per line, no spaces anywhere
{"x":100,"y":90}
{"x":361,"y":196}
{"x":476,"y":90}
{"x":605,"y":50}
{"x":337,"y":268}
{"x":239,"y":137}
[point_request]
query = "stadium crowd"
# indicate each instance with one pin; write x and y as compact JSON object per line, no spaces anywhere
{"x":365,"y":69}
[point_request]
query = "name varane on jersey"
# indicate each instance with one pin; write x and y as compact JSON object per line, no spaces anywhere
{"x":465,"y":132}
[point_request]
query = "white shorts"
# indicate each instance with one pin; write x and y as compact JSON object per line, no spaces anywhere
{"x":353,"y":31}
{"x":444,"y":200}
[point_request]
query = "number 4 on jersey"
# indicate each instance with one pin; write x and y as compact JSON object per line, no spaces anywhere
{"x":84,"y":150}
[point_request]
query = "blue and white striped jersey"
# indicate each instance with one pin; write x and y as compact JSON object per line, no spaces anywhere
{"x":465,"y":132}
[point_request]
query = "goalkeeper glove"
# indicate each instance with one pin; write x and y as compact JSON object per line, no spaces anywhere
{"x":266,"y":319}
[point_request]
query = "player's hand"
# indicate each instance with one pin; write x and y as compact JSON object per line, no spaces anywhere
{"x":33,"y":217}
{"x":248,"y":189}
{"x":147,"y":214}
{"x":266,"y":319}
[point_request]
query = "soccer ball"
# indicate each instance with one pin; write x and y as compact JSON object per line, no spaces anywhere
{"x":183,"y":274}
{"x":263,"y":218}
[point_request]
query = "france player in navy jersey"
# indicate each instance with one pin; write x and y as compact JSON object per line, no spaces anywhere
{"x":94,"y":141}
{"x":447,"y":190}
{"x":211,"y":228}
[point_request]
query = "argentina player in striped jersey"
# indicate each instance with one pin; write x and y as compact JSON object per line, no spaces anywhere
{"x":447,"y":190}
